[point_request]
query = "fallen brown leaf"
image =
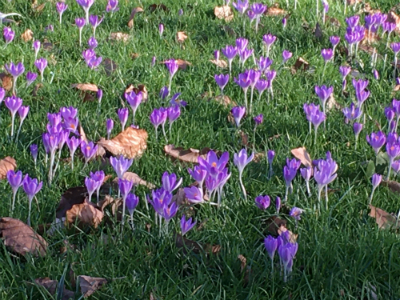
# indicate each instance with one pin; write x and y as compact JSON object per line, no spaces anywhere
{"x":136,"y":180}
{"x":52,"y":285}
{"x":258,"y":157}
{"x":181,"y":36}
{"x":318,"y":31}
{"x":38,"y":8}
{"x":244,"y":268}
{"x":396,"y":88}
{"x":332,"y":104}
{"x":224,"y":12}
{"x":7,"y":164}
{"x":383,"y":218}
{"x":300,"y":64}
{"x":292,"y":237}
{"x":225,"y":101}
{"x":85,"y":213}
{"x":190,"y":155}
{"x":393,"y":18}
{"x":27,"y":35}
{"x":220,"y":63}
{"x":196,"y":247}
{"x":89,"y":284}
{"x":302,"y":155}
{"x":182,"y":64}
{"x":6,"y":81}
{"x":119,"y":36}
{"x":394,"y":186}
{"x":109,"y":66}
{"x":275,"y":11}
{"x":134,"y":55}
{"x":153,"y":7}
{"x":85,"y":87}
{"x":130,"y":143}
{"x":21,"y":238}
{"x":36,"y":89}
{"x":132,"y":16}
{"x":273,"y":224}
{"x":108,"y":200}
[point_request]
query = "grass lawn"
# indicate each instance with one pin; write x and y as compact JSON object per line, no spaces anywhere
{"x":342,"y":253}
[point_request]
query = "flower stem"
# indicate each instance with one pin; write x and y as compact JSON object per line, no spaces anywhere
{"x":13,"y":200}
{"x":371,"y":196}
{"x":123,"y":211}
{"x":29,"y":212}
{"x":241,"y":184}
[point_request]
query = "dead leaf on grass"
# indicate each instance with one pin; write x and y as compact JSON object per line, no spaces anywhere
{"x":89,"y":284}
{"x":27,"y":35}
{"x":130,"y":143}
{"x":52,"y":285}
{"x":244,"y":268}
{"x":258,"y":157}
{"x":154,"y":7}
{"x":302,"y":155}
{"x":292,"y":236}
{"x":181,"y":36}
{"x":196,"y":247}
{"x":69,"y":198}
{"x":119,"y":36}
{"x":224,"y":12}
{"x":332,"y":104}
{"x":384,"y":219}
{"x":132,"y":16}
{"x":85,"y":87}
{"x":6,"y":81}
{"x":136,"y":180}
{"x":220,"y":63}
{"x":273,"y":224}
{"x":85,"y":213}
{"x":225,"y":101}
{"x":21,"y":238}
{"x":38,"y":8}
{"x":190,"y":155}
{"x":275,"y":12}
{"x":36,"y":89}
{"x":300,"y":64}
{"x":318,"y":31}
{"x":7,"y":164}
{"x":140,"y":88}
{"x":182,"y":64}
{"x":394,"y":186}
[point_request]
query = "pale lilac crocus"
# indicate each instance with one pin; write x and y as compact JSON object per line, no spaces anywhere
{"x":120,"y":165}
{"x":61,"y":8}
{"x":134,"y":100}
{"x":376,"y":180}
{"x":36,"y":47}
{"x":286,"y":55}
{"x":258,"y":9}
{"x":109,"y":126}
{"x":34,"y":152}
{"x":172,"y":67}
{"x":131,"y":202}
{"x":268,"y":40}
{"x":31,"y":188}
{"x":22,"y":112}
{"x":194,"y":194}
{"x":222,"y":81}
{"x":230,"y":52}
{"x":306,"y":173}
{"x":186,"y":225}
{"x":123,"y":114}
{"x":80,"y":22}
{"x":158,"y":117}
{"x":13,"y":103}
{"x":112,"y":6}
{"x":41,"y":65}
{"x":316,"y":120}
{"x":270,"y":157}
{"x":241,"y":160}
{"x":30,"y":78}
{"x":238,"y":113}
{"x":161,"y":29}
{"x":15,"y":181}
{"x":8,"y":35}
{"x":15,"y":71}
{"x":73,"y":144}
{"x":357,"y":127}
{"x":271,"y":244}
{"x":173,"y":114}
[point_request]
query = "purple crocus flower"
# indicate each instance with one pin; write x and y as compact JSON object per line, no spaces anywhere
{"x":73,"y":144}
{"x":8,"y":35}
{"x":98,"y":176}
{"x":169,"y":182}
{"x":158,"y":117}
{"x":31,"y":188}
{"x":376,"y":181}
{"x":91,"y":186}
{"x":15,"y":181}
{"x":295,"y":213}
{"x":289,"y":173}
{"x":109,"y":126}
{"x":286,"y":55}
{"x":393,"y":151}
{"x":241,"y":161}
{"x":362,"y":96}
{"x":61,"y":8}
{"x":131,"y":202}
{"x":34,"y":152}
{"x":164,"y":92}
{"x":238,"y":113}
{"x":306,"y":173}
{"x":36,"y":47}
{"x":15,"y":71}
{"x":316,"y":119}
{"x":80,"y":22}
{"x":263,"y":202}
{"x":258,"y":9}
{"x":134,"y":101}
{"x":41,"y":65}
{"x":86,"y":4}
{"x":112,"y":6}
{"x":264,"y":63}
{"x":22,"y":112}
{"x":360,"y":85}
{"x":376,"y":140}
{"x":352,"y":113}
{"x":230,"y":52}
{"x":30,"y":78}
{"x":222,"y":81}
{"x":241,"y":43}
{"x":95,"y":21}
{"x":268,"y":40}
{"x":271,"y":244}
{"x":120,"y":165}
{"x":323,"y":92}
{"x":324,"y":175}
{"x":244,"y":82}
{"x":94,"y":62}
{"x":327,"y":54}
{"x":186,"y":225}
{"x":125,"y":186}
{"x":258,"y":119}
{"x":344,"y":71}
{"x":270,"y":157}
{"x":334,"y":41}
{"x":123,"y":114}
{"x":88,"y":150}
{"x":92,"y":43}
{"x":194,"y":194}
{"x":173,"y":114}
{"x":13,"y":103}
{"x":241,"y":6}
{"x":172,"y":66}
{"x":357,"y":127}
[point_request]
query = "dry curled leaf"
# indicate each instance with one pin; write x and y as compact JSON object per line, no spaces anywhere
{"x":302,"y":155}
{"x":244,"y":268}
{"x":275,"y":11}
{"x":189,"y":155}
{"x":38,"y":8}
{"x":21,"y":238}
{"x":258,"y":157}
{"x":225,"y":101}
{"x":6,"y":164}
{"x":52,"y":285}
{"x":85,"y":213}
{"x":273,"y":224}
{"x":161,"y":6}
{"x":394,"y":186}
{"x":27,"y":35}
{"x":181,"y":36}
{"x":318,"y":31}
{"x":89,"y":284}
{"x":393,"y":18}
{"x":300,"y":64}
{"x":136,"y":180}
{"x":220,"y":63}
{"x":224,"y":12}
{"x":130,"y":143}
{"x":195,"y":247}
{"x":384,"y":219}
{"x":119,"y":36}
{"x":132,"y":16}
{"x":85,"y":87}
{"x":6,"y":81}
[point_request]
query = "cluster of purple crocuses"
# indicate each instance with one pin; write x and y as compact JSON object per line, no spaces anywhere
{"x":14,"y":104}
{"x":254,"y":13}
{"x":31,"y":188}
{"x":160,"y":115}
